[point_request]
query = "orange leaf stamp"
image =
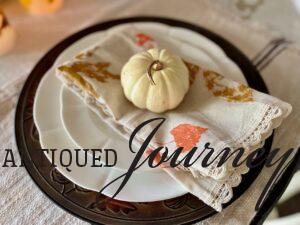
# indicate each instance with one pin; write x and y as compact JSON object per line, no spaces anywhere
{"x":187,"y":135}
{"x":145,"y":40}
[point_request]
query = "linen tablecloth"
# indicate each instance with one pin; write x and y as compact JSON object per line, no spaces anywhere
{"x":21,"y":201}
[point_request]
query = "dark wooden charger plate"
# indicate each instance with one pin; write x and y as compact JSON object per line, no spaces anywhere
{"x":82,"y":203}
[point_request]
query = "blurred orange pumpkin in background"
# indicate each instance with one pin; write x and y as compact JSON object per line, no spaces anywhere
{"x":7,"y":35}
{"x":40,"y":7}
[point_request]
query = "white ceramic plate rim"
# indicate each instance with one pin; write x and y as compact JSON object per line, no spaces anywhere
{"x":142,"y":187}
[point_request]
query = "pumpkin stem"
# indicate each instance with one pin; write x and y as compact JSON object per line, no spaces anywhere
{"x":156,"y":65}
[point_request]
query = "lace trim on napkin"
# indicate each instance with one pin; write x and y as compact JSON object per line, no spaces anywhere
{"x":271,"y":120}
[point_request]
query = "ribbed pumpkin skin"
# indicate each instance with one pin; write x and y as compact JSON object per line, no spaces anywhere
{"x":171,"y":82}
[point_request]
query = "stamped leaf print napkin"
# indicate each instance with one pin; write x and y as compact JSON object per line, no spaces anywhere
{"x":215,"y":110}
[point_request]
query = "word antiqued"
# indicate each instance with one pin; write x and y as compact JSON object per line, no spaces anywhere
{"x":67,"y":157}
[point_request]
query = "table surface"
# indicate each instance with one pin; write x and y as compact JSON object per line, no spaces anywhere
{"x":22,"y":197}
{"x":283,"y":16}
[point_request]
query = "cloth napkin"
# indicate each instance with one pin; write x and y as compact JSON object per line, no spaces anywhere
{"x":216,"y":110}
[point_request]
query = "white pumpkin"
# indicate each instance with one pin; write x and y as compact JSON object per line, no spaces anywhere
{"x":156,"y":80}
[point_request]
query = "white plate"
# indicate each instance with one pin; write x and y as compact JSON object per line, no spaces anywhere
{"x":148,"y":186}
{"x":87,"y":130}
{"x":142,"y":187}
